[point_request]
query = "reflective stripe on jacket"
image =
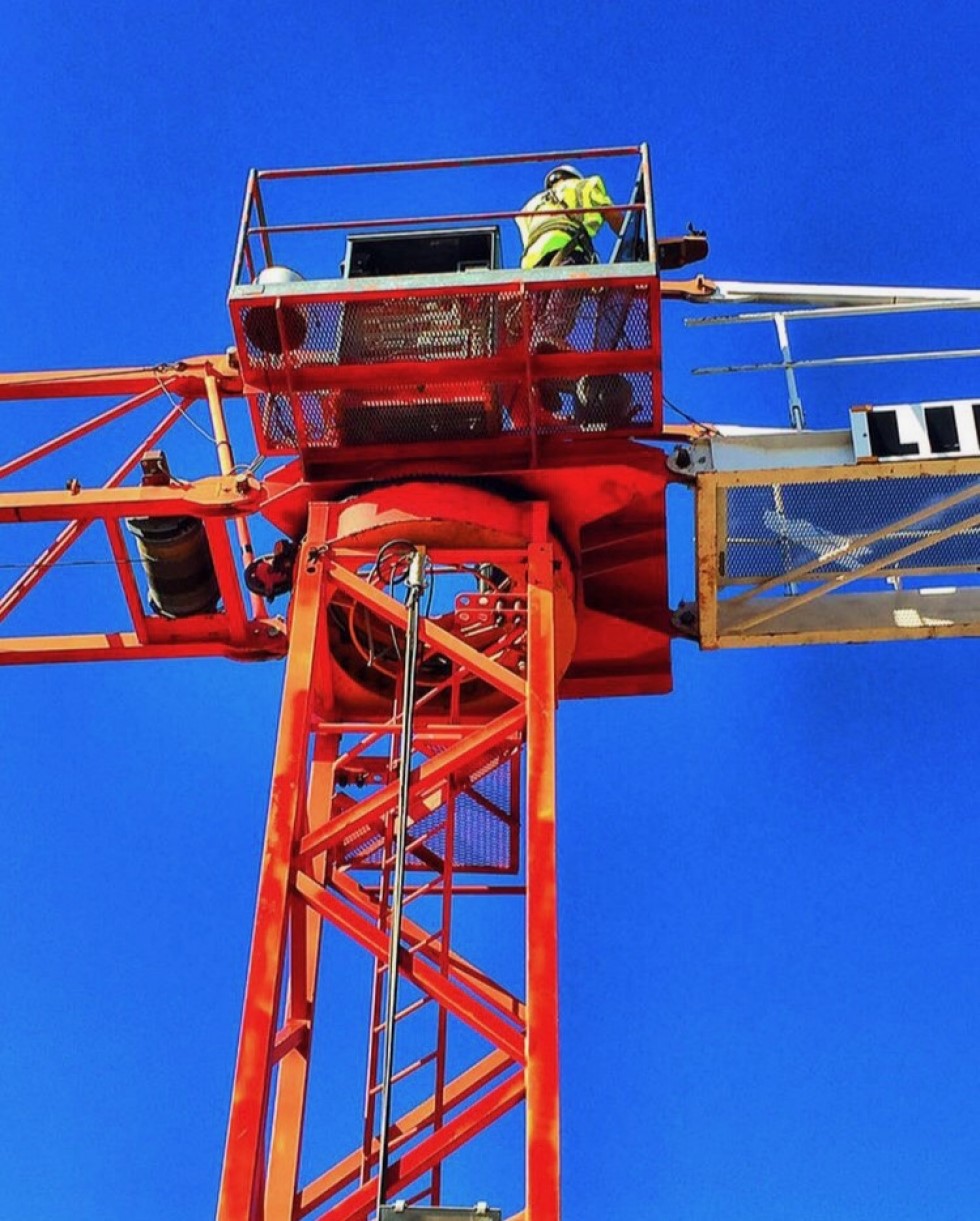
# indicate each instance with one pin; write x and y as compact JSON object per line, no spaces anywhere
{"x":542,"y":234}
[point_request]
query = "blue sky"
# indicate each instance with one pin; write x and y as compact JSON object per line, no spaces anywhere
{"x":769,"y":895}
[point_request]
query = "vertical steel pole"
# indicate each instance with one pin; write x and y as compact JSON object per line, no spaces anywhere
{"x":226,"y":464}
{"x":543,"y":1132}
{"x":796,"y":416}
{"x":414,"y":583}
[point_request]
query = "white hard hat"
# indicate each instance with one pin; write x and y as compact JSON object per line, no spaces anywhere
{"x":558,"y":173}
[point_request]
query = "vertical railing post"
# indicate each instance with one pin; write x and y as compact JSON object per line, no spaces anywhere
{"x":648,"y":212}
{"x":796,"y":416}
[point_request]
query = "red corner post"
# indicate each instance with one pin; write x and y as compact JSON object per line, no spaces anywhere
{"x":543,"y":1121}
{"x":242,"y":1180}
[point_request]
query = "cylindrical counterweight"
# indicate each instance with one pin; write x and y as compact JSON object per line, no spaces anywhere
{"x":177,"y":561}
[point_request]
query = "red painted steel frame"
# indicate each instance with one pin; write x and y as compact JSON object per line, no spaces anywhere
{"x":308,"y":881}
{"x":602,"y":630}
{"x":239,"y":629}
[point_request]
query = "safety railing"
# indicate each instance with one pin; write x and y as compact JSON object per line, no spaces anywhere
{"x":264,"y":241}
{"x":809,"y":302}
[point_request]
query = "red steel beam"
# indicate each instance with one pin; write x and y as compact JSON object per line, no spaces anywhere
{"x":542,"y":1134}
{"x":186,"y":378}
{"x":515,"y":366}
{"x":302,"y":888}
{"x":465,"y":972}
{"x":77,"y":523}
{"x":74,"y":434}
{"x":212,"y":497}
{"x":131,"y":591}
{"x":292,"y":1082}
{"x":126,"y":646}
{"x":448,"y":163}
{"x":432,"y":635}
{"x":433,"y":1149}
{"x":402,"y":222}
{"x":426,"y":779}
{"x":412,"y":1124}
{"x":242,"y":1176}
{"x":473,"y":1012}
{"x":226,"y":570}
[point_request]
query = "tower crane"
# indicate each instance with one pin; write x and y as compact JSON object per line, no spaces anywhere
{"x":464,"y":526}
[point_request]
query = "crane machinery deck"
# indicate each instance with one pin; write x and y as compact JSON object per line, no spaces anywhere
{"x":468,"y":522}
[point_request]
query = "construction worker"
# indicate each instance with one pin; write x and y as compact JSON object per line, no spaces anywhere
{"x":557,"y":226}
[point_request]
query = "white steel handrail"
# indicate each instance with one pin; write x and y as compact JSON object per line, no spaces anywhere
{"x":828,"y":301}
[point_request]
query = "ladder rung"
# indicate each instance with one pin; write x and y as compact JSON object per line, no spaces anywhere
{"x":427,"y":834}
{"x":406,"y":1012}
{"x":421,"y":945}
{"x":405,"y":1072}
{"x":418,"y":891}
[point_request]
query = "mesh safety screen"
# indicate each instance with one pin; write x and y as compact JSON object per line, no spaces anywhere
{"x":445,"y":326}
{"x":322,"y":361}
{"x":486,"y":828}
{"x":591,"y":319}
{"x":454,"y":411}
{"x":843,"y":526}
{"x":419,"y":328}
{"x":597,"y":403}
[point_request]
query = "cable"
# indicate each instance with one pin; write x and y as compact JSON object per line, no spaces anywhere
{"x":23,"y":567}
{"x":177,"y":407}
{"x":708,"y":429}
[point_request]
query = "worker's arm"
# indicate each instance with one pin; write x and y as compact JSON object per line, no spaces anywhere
{"x":595,"y":195}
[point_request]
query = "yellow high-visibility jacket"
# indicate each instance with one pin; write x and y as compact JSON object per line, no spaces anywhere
{"x":542,"y":234}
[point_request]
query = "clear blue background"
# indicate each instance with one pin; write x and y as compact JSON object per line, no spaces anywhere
{"x":769,"y":888}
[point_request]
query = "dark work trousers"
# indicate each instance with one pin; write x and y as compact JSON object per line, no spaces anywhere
{"x":557,"y":310}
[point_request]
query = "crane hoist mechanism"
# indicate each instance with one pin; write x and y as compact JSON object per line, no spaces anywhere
{"x":469,"y":523}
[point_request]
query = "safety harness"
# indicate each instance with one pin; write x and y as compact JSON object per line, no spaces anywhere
{"x":579,"y":242}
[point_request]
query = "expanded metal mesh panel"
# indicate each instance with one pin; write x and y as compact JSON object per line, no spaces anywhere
{"x":368,"y":332}
{"x":419,"y":328}
{"x":288,"y":421}
{"x":486,"y":830}
{"x":445,"y":326}
{"x":834,"y":527}
{"x":402,"y":415}
{"x":278,"y":421}
{"x":599,"y":403}
{"x":322,"y":361}
{"x":591,"y":319}
{"x":324,"y":327}
{"x":454,"y":411}
{"x":264,"y":340}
